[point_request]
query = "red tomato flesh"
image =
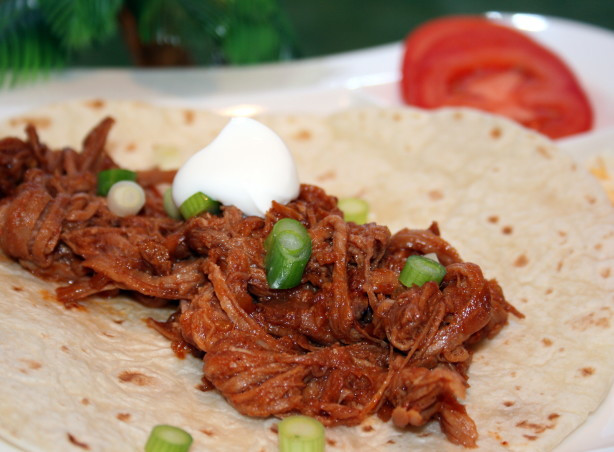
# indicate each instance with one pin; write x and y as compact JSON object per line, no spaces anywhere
{"x":473,"y":62}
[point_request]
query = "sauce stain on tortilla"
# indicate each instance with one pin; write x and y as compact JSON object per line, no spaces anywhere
{"x":136,"y":378}
{"x":77,"y":443}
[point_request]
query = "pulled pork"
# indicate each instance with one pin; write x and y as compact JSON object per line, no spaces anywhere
{"x":348,"y":342}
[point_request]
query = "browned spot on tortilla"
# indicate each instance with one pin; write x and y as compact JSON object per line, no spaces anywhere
{"x":537,"y":428}
{"x":131,"y":147}
{"x":275,"y":428}
{"x":396,"y":116}
{"x":124,"y":417}
{"x":507,"y":230}
{"x":64,"y":348}
{"x":562,"y":233}
{"x":95,"y":104}
{"x":107,"y":334}
{"x":457,"y":115}
{"x":521,"y":261}
{"x":367,"y":428}
{"x":188,"y":116}
{"x":17,"y":288}
{"x":605,"y":273}
{"x":495,"y":132}
{"x":391,"y":441}
{"x":549,"y":290}
{"x":587,"y":371}
{"x":590,"y":199}
{"x":592,"y":319}
{"x":598,"y":246}
{"x":77,"y":443}
{"x":40,"y":122}
{"x":553,"y":416}
{"x":118,"y":321}
{"x":85,"y":401}
{"x":562,"y":349}
{"x":435,"y":195}
{"x":518,"y":388}
{"x":513,"y":373}
{"x":508,"y":403}
{"x":32,"y":364}
{"x":530,"y":437}
{"x":559,"y":266}
{"x":210,"y":432}
{"x":424,"y":434}
{"x":544,"y":152}
{"x":302,"y":135}
{"x":547,"y":342}
{"x":136,"y":378}
{"x":331,"y":442}
{"x":493,"y":219}
{"x":504,"y":443}
{"x":327,"y":175}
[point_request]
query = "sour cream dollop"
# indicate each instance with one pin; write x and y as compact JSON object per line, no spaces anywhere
{"x":247,"y":165}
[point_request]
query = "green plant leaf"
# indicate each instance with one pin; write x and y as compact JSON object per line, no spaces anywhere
{"x":27,"y":48}
{"x":79,"y":23}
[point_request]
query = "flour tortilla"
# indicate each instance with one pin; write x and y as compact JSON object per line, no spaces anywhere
{"x":504,"y":196}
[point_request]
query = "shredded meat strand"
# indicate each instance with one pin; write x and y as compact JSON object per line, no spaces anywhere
{"x":348,"y":342}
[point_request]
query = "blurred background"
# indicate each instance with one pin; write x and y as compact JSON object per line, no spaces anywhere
{"x":39,"y":35}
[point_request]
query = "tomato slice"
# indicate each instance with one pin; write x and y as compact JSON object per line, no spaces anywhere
{"x":474,"y":62}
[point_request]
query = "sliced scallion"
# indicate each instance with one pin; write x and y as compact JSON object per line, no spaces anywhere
{"x":126,"y":198}
{"x":354,"y":209}
{"x":107,"y":178}
{"x":197,"y":204}
{"x":288,"y":248}
{"x":167,"y":438}
{"x":419,"y":269}
{"x":169,"y":205}
{"x":301,"y":434}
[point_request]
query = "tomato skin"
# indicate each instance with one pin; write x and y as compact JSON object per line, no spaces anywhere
{"x":474,"y":62}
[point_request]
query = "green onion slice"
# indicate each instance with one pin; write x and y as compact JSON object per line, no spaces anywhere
{"x":126,"y":198}
{"x":169,"y":205}
{"x":197,"y":204}
{"x":288,"y":248}
{"x":107,"y":178}
{"x":419,"y":270}
{"x":354,"y":209}
{"x":166,"y":438}
{"x":301,"y":434}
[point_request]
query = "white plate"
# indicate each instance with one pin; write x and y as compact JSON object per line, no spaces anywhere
{"x":322,"y":85}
